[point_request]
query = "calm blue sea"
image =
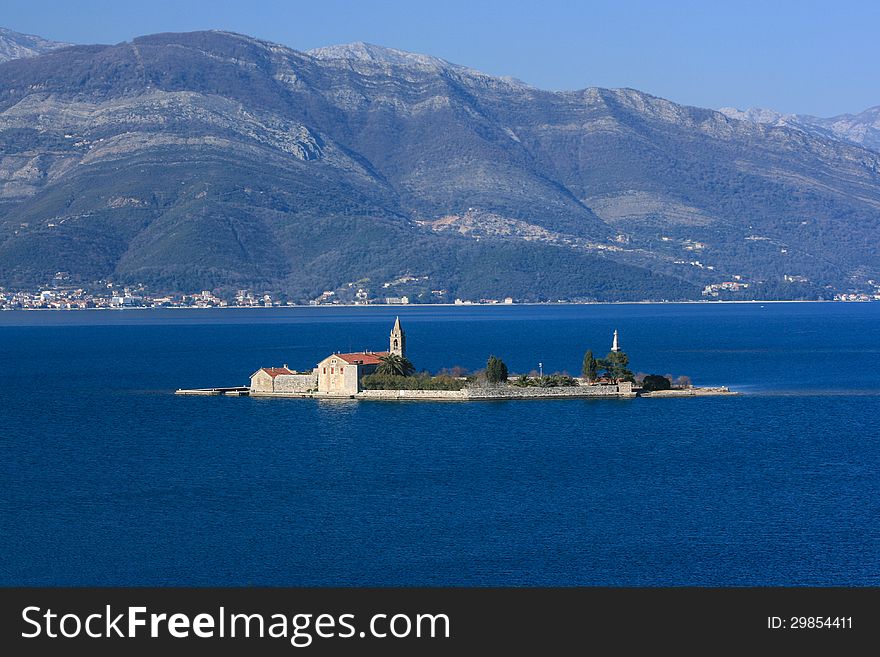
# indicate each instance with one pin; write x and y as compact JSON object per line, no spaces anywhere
{"x":107,"y":478}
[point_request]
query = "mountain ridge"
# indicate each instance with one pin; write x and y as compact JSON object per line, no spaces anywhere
{"x":860,"y":129}
{"x":214,"y":160}
{"x":14,"y":45}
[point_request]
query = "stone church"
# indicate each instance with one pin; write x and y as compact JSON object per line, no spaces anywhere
{"x":341,"y":373}
{"x":337,"y":374}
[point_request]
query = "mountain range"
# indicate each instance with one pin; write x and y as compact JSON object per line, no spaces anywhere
{"x":862,"y":129}
{"x":14,"y":45}
{"x":212,"y":160}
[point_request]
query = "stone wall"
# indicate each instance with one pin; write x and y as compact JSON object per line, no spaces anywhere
{"x":287,"y":383}
{"x":514,"y":392}
{"x":443,"y":395}
{"x":503,"y":392}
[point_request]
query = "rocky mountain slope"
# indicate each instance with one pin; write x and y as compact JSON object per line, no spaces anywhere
{"x":14,"y":45}
{"x":862,"y":129}
{"x":212,"y":160}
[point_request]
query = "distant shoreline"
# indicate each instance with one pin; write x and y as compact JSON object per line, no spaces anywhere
{"x":440,"y":305}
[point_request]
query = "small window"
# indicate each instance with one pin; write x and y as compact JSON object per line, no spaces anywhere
{"x":325,"y":370}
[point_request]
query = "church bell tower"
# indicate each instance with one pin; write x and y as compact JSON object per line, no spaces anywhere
{"x":397,"y":342}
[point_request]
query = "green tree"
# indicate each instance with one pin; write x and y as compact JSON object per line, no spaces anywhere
{"x":395,"y":365}
{"x":496,"y":370}
{"x":615,"y":366}
{"x":590,"y":368}
{"x":656,"y":382}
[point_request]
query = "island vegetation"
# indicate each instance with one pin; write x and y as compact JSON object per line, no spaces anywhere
{"x":395,"y":365}
{"x":556,"y":380}
{"x":397,"y":372}
{"x":496,"y":370}
{"x":652,"y":382}
{"x":420,"y":381}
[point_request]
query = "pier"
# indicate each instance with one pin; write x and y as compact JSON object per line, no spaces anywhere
{"x":236,"y":391}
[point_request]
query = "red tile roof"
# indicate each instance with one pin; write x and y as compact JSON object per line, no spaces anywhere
{"x":275,"y":371}
{"x":364,"y":358}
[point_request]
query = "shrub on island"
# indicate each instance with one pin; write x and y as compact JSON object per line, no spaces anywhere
{"x":654,"y":382}
{"x":523,"y":381}
{"x":421,"y":381}
{"x":557,"y":381}
{"x":549,"y":381}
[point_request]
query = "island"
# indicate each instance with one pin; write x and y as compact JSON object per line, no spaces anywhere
{"x":389,"y":375}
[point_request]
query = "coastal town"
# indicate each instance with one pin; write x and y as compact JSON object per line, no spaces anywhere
{"x":389,"y":375}
{"x":64,"y":293}
{"x":120,"y":298}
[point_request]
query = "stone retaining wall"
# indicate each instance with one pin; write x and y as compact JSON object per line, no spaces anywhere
{"x":442,"y":395}
{"x":502,"y":392}
{"x":514,"y":392}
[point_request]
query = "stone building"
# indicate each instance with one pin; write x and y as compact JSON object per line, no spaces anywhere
{"x":340,"y":374}
{"x":273,"y":380}
{"x":337,"y":374}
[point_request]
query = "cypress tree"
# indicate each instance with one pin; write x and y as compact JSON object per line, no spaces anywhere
{"x":590,"y":369}
{"x":496,"y":370}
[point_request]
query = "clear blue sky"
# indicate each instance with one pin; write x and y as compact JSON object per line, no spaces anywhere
{"x":812,"y":57}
